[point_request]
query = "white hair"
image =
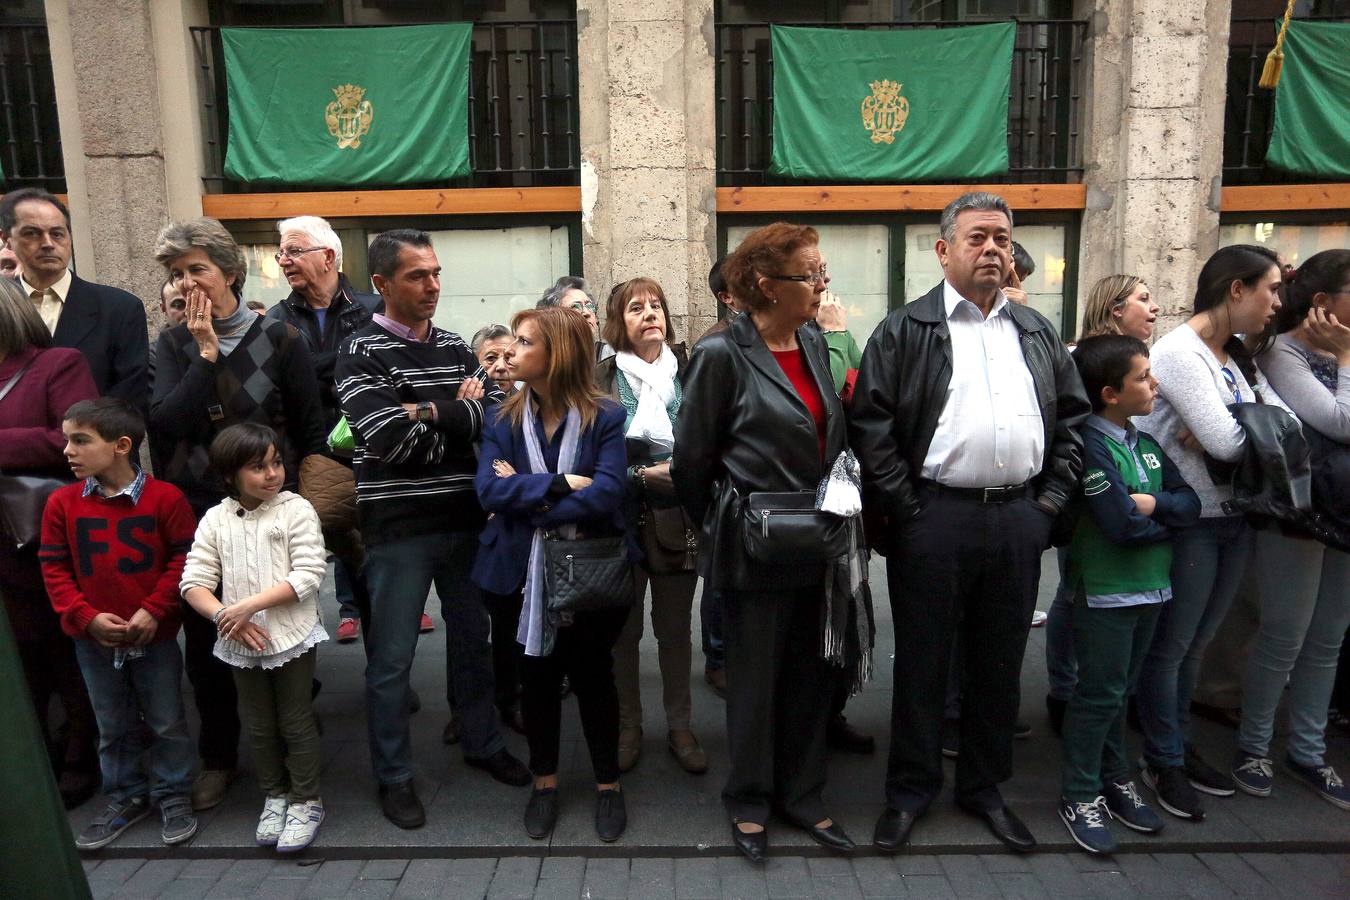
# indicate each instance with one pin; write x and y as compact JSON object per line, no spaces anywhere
{"x":319,"y":231}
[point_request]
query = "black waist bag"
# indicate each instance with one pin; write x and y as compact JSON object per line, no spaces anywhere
{"x":788,"y":529}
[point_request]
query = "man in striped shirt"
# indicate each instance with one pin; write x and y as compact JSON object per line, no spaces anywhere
{"x":415,"y":397}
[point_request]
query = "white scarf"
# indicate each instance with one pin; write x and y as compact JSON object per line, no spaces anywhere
{"x":654,"y":384}
{"x":535,"y":631}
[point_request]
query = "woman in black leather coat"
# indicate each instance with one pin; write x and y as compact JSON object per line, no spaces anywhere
{"x":760,"y":414}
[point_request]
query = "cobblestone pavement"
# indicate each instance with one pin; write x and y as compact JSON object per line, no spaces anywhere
{"x":1160,"y":875}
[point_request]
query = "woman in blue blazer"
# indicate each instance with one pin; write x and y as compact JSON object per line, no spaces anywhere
{"x":554,"y":456}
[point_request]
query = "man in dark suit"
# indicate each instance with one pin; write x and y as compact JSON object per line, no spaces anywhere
{"x":107,"y":325}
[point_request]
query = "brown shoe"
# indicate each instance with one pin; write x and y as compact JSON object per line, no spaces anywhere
{"x":209,"y":788}
{"x":687,"y":752}
{"x":717,"y":680}
{"x":630,"y":748}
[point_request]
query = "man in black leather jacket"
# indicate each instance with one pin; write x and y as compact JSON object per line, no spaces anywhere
{"x":963,"y":419}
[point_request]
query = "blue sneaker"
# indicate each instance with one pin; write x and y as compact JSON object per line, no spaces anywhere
{"x":1323,"y":780}
{"x":1253,"y":774}
{"x":1087,"y":825}
{"x":1126,"y":806}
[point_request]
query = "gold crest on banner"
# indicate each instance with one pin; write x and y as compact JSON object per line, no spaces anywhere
{"x":349,"y":116}
{"x":885,"y":111}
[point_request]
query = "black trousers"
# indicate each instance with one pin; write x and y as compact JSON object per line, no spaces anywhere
{"x":504,"y":611}
{"x":213,"y":693}
{"x":584,"y":652}
{"x":968,"y":568}
{"x":780,"y":695}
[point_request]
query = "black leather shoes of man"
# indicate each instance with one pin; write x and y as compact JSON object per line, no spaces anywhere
{"x":893,"y":829}
{"x":1007,"y":828}
{"x":611,"y":816}
{"x":831,"y":837}
{"x":502,"y":766}
{"x":752,"y":844}
{"x":541,"y":812}
{"x":840,"y":735}
{"x":401,"y":806}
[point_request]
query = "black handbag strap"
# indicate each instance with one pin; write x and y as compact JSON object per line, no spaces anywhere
{"x":9,"y":385}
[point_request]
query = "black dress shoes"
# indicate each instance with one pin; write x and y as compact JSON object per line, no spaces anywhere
{"x":839,"y":735}
{"x":753,"y":845}
{"x":893,"y":829}
{"x":1007,"y":828}
{"x":502,"y":766}
{"x":401,"y":806}
{"x":611,"y":816}
{"x":541,"y":812}
{"x":832,"y":837}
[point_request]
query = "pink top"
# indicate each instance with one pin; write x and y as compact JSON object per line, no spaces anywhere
{"x":31,"y":413}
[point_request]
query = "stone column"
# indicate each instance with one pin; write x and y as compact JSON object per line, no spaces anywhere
{"x":1154,"y":157}
{"x":111,"y":58}
{"x":648,"y":149}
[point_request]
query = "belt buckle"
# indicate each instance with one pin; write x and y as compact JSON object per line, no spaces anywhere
{"x":991,"y":495}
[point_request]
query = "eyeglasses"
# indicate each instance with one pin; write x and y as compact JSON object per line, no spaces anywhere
{"x":285,"y":253}
{"x":582,"y":305}
{"x":819,"y":278}
{"x":1231,"y":381}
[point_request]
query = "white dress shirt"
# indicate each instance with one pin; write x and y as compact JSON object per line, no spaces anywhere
{"x":990,"y":432}
{"x":50,"y":302}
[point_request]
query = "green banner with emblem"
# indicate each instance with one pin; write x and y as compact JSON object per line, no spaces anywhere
{"x":348,"y":106}
{"x":1312,"y":102}
{"x":900,"y":105}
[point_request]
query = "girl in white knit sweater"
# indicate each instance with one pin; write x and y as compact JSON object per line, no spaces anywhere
{"x":264,"y":548}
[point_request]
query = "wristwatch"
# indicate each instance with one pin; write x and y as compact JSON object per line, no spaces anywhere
{"x":425,"y":411}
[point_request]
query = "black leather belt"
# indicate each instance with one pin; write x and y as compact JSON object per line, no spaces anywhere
{"x":1002,"y":494}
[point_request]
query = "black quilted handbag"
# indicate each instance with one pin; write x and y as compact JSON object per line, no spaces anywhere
{"x":587,"y":575}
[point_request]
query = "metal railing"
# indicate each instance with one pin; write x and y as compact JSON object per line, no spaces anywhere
{"x":1044,"y":103}
{"x":1249,"y":111}
{"x":30,"y":136}
{"x":522,"y":107}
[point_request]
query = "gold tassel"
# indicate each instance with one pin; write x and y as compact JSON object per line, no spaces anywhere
{"x":1274,"y":67}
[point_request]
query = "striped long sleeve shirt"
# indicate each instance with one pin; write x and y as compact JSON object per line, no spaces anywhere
{"x":412,"y":478}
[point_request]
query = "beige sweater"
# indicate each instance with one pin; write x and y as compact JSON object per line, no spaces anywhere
{"x":245,"y":552}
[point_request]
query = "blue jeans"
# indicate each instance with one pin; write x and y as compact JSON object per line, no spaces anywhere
{"x":1208,"y":560}
{"x":710,"y":618}
{"x":1061,"y":664}
{"x":148,"y":686}
{"x":400,"y":574}
{"x":1304,"y":591}
{"x":342,"y":588}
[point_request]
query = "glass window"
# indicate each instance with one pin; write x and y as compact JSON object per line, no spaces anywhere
{"x":858,"y":259}
{"x":265,"y":280}
{"x":1293,"y":242}
{"x":1045,"y":287}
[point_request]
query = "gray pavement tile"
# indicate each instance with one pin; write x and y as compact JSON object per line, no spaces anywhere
{"x":1020,"y":886}
{"x":1276,"y":869}
{"x":424,"y":879}
{"x":968,"y":876}
{"x":563,"y":867}
{"x":1004,"y":862}
{"x":1239,"y":877}
{"x":911,"y":864}
{"x":187,"y":889}
{"x":206,"y":868}
{"x":787,"y":876}
{"x":652,"y":878}
{"x":290,"y":867}
{"x":928,"y":887}
{"x":558,"y":889}
{"x":277,"y":888}
{"x":745,"y":886}
{"x":89,"y":865}
{"x":369,"y":889}
{"x":829,"y":866}
{"x":696,"y":879}
{"x":1147,"y":877}
{"x":514,"y":878}
{"x":334,"y":878}
{"x":1057,"y":873}
{"x":838,"y":887}
{"x":1193,"y":875}
{"x":878,"y":877}
{"x":1110,"y":885}
{"x":113,"y":873}
{"x":1318,"y":868}
{"x":606,"y":878}
{"x":384,"y":869}
{"x":151,"y":878}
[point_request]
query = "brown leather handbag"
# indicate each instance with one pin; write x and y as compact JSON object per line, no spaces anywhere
{"x":669,"y":540}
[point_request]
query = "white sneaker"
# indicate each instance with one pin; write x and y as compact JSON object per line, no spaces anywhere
{"x":302,"y":825}
{"x":271,"y":822}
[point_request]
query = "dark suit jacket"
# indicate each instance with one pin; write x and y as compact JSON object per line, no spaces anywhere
{"x":520,"y":503}
{"x":107,"y":325}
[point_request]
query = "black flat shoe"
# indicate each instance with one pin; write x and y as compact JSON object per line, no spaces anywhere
{"x":893,"y":828}
{"x":541,"y":812}
{"x":753,"y":845}
{"x":1007,"y":828}
{"x":502,"y":766}
{"x":611,"y":817}
{"x":832,"y":836}
{"x":400,"y":805}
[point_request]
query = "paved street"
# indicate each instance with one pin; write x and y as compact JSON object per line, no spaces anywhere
{"x":678,"y":844}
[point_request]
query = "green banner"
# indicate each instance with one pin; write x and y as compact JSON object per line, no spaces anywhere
{"x":1312,"y":102}
{"x":903,"y":105}
{"x":348,"y":106}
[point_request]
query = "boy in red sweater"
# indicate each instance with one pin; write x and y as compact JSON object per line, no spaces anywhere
{"x":113,"y":548}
